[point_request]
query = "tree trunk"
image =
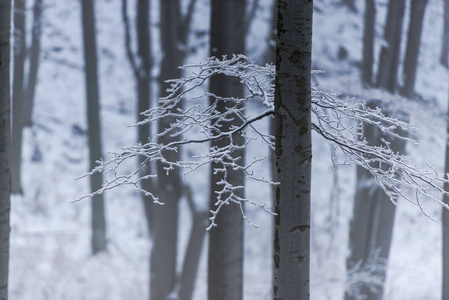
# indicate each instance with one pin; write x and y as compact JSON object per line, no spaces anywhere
{"x":368,"y":42}
{"x":143,"y":94}
{"x":93,"y":122}
{"x":293,"y":150}
{"x":225,"y":265}
{"x":163,"y":256}
{"x":34,"y":62}
{"x":5,"y":144}
{"x":445,"y":39}
{"x":17,"y":94}
{"x":445,"y":227}
{"x":372,"y":222}
{"x":389,"y":54}
{"x":412,"y":51}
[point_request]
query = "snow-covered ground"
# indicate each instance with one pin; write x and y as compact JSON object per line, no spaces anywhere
{"x":50,"y":237}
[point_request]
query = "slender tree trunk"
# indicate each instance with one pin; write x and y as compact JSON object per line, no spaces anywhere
{"x":34,"y":62}
{"x":143,"y":95}
{"x":417,"y":11}
{"x":93,"y":122}
{"x":389,"y":56}
{"x":163,"y":256}
{"x":18,"y":94}
{"x":293,"y":150}
{"x":368,"y":42}
{"x":225,"y":265}
{"x":445,"y":39}
{"x":372,"y":222}
{"x":445,"y":227}
{"x":5,"y":144}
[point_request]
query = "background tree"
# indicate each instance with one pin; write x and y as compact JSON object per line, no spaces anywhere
{"x":389,"y":54}
{"x":36,"y":30}
{"x":18,"y":95}
{"x":5,"y":144}
{"x":293,"y":149}
{"x":93,"y":123}
{"x":417,"y":11}
{"x":225,"y":265}
{"x":445,"y":38}
{"x":368,"y":42}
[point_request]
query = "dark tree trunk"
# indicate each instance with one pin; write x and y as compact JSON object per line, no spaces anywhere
{"x":417,"y":11}
{"x":163,"y":256}
{"x":18,"y":94}
{"x":34,"y":62}
{"x":5,"y":144}
{"x":389,"y":55}
{"x":225,"y":265}
{"x":293,"y":150}
{"x":93,"y":122}
{"x":445,"y":39}
{"x":368,"y":42}
{"x":372,"y":222}
{"x":445,"y":227}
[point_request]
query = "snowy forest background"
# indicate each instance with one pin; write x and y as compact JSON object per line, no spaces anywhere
{"x":51,"y":255}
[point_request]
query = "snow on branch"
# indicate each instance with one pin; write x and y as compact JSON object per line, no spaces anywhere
{"x":199,"y":122}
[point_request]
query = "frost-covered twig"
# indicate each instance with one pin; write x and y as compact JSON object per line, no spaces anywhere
{"x":199,"y":122}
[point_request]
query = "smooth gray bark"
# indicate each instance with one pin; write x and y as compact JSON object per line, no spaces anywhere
{"x":445,"y":227}
{"x":293,"y":150}
{"x":368,"y":42}
{"x":417,"y":11}
{"x":93,"y":122}
{"x":142,"y":75}
{"x":34,"y":62}
{"x":389,"y":55}
{"x":225,"y":264}
{"x":445,"y":39}
{"x":163,"y":255}
{"x":194,"y":249}
{"x":5,"y":144}
{"x":19,"y":56}
{"x":372,"y":222}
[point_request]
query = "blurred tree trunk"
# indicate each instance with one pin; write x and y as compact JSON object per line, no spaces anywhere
{"x":225,"y":265}
{"x":445,"y":39}
{"x":93,"y":122}
{"x":373,"y":215}
{"x":19,"y":51}
{"x":34,"y":62}
{"x":389,"y":55}
{"x":293,"y":150}
{"x":368,"y":42}
{"x":164,"y":252}
{"x":5,"y":144}
{"x":141,"y":66}
{"x":417,"y":11}
{"x":445,"y":225}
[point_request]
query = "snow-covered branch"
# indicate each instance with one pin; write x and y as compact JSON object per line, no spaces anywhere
{"x":199,"y":122}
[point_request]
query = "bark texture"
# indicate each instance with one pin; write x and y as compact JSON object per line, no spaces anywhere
{"x":445,"y":39}
{"x":93,"y":122}
{"x":34,"y":62}
{"x":225,"y":265}
{"x":389,"y":55}
{"x":368,"y":42}
{"x":293,"y":150}
{"x":19,"y":57}
{"x":5,"y":144}
{"x":372,"y":222}
{"x":417,"y":11}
